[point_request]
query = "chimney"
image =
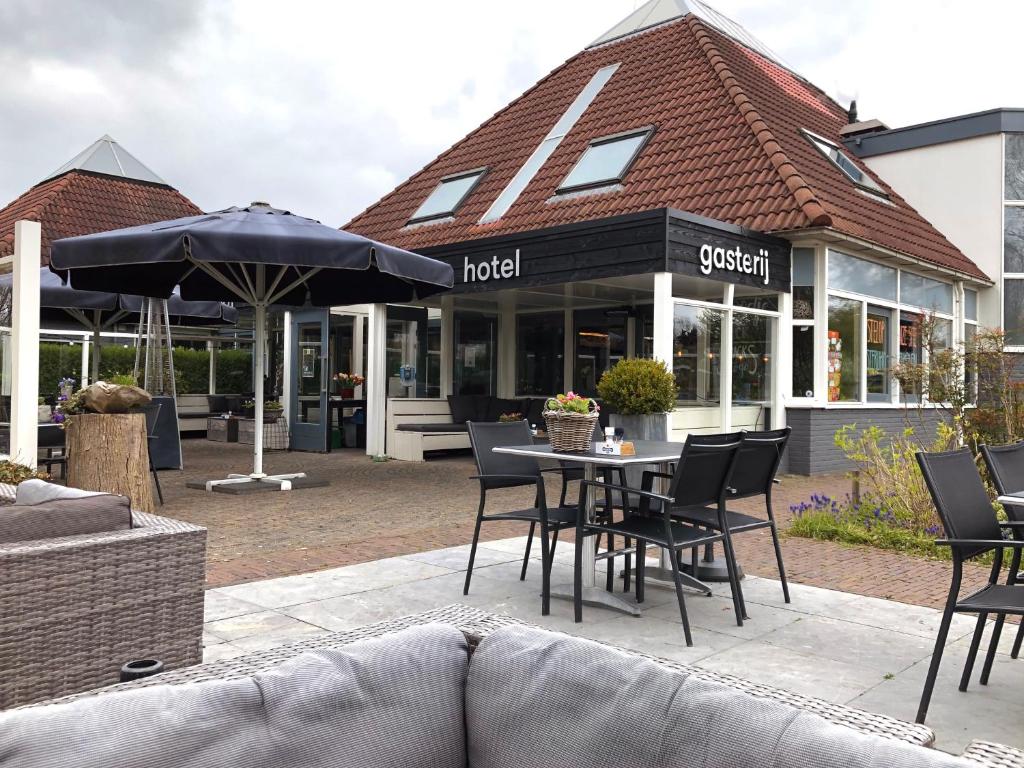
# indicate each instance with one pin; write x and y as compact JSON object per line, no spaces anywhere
{"x":851,"y":113}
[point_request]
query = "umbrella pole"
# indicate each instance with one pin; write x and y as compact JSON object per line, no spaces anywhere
{"x":94,"y":358}
{"x":260,"y":322}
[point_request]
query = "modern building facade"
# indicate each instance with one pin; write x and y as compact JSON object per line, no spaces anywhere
{"x":673,"y":191}
{"x":966,"y":175}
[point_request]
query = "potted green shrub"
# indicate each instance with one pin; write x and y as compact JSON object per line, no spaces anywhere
{"x":638,"y":394}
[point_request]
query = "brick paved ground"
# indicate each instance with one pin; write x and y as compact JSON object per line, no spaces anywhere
{"x":375,"y":510}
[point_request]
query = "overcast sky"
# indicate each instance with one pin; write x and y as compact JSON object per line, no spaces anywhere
{"x":322,"y":107}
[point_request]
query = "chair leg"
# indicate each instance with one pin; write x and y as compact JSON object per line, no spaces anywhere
{"x":674,"y":557}
{"x":526,"y":555}
{"x":1015,"y":651}
{"x":625,"y":576}
{"x":545,"y":566}
{"x":979,"y":629}
{"x":993,"y":645}
{"x":734,"y":582}
{"x":565,"y":490}
{"x":554,"y":542}
{"x":156,"y":480}
{"x":610,"y":575}
{"x":472,"y":548}
{"x":577,"y":577}
{"x":641,"y":565}
{"x":778,"y":559}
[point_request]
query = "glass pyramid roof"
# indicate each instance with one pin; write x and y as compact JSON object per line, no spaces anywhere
{"x":108,"y":157}
{"x":655,"y":12}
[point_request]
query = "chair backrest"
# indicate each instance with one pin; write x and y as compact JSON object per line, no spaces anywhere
{"x":758,"y":462}
{"x":1006,"y":467}
{"x":960,"y":498}
{"x":152,"y":412}
{"x":487,"y":435}
{"x":704,"y":471}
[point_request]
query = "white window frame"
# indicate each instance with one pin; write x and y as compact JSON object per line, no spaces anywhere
{"x":896,"y":307}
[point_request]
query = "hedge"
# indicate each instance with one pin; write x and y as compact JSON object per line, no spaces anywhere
{"x":191,"y":367}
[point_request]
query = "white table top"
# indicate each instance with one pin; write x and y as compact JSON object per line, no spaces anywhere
{"x":647,"y":452}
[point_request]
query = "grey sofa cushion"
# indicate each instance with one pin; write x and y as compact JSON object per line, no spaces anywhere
{"x":536,"y":699}
{"x":38,"y":491}
{"x":392,"y":701}
{"x":95,"y":513}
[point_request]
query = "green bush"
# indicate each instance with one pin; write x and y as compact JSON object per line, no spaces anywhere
{"x":638,"y":386}
{"x":191,"y":367}
{"x":12,"y":473}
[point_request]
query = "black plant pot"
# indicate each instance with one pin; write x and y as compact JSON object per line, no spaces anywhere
{"x":136,"y":670}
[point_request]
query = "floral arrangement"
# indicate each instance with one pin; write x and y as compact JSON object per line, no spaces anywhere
{"x":509,"y":418}
{"x":12,"y":473}
{"x":572,"y":403}
{"x":67,"y":401}
{"x":349,"y":380}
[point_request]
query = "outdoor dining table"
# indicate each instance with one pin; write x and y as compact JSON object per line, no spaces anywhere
{"x":647,"y":452}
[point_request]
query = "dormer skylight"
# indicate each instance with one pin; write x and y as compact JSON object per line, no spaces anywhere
{"x":448,"y":196}
{"x":606,"y":161}
{"x":842,"y":161}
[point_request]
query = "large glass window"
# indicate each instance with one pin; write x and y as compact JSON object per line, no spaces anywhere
{"x":407,"y":350}
{"x":1015,"y":166}
{"x":752,"y":358}
{"x":970,"y":304}
{"x":1013,"y":239}
{"x":1013,"y":311}
{"x":476,"y":354}
{"x":844,"y":343}
{"x":803,"y":283}
{"x":600,"y":344}
{"x":696,"y":354}
{"x":911,"y":352}
{"x":878,"y":357}
{"x":803,"y":361}
{"x":926,"y":293}
{"x":540,"y":350}
{"x":848,"y":273}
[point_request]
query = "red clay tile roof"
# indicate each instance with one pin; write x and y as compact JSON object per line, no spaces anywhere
{"x":78,"y":203}
{"x":727,"y":145}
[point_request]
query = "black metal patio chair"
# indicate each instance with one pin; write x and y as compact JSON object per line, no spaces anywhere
{"x":756,"y":467}
{"x":701,"y":478}
{"x":495,"y":470}
{"x":1006,"y":468}
{"x":972,"y":529}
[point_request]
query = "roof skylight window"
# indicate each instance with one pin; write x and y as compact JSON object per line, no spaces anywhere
{"x":606,"y":160}
{"x":448,"y":196}
{"x":841,"y":160}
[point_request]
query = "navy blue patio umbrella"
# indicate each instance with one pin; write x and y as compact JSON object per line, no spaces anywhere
{"x":257,"y":255}
{"x":62,"y":307}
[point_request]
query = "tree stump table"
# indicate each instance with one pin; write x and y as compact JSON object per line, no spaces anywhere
{"x":108,"y":452}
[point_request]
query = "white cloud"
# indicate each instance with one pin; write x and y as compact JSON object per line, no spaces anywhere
{"x":321,"y":107}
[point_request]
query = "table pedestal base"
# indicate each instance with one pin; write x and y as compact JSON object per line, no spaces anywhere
{"x":596,"y":597}
{"x":713,"y":570}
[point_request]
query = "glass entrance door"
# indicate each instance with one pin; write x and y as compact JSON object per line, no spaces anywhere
{"x":309,"y":415}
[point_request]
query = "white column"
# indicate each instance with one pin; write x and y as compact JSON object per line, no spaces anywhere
{"x":84,"y":374}
{"x":447,"y":343}
{"x":288,"y":378}
{"x":506,"y":344}
{"x":664,"y":317}
{"x":821,"y":328}
{"x":377,"y":381}
{"x":782,"y":363}
{"x":358,"y":364}
{"x":664,"y":325}
{"x":25,"y":330}
{"x":725,"y":367}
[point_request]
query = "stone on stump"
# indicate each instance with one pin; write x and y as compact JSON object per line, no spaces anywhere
{"x":108,"y":452}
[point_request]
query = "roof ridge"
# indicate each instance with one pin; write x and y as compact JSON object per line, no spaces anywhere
{"x":800,"y":189}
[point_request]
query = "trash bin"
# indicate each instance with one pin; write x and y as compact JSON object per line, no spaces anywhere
{"x":336,"y":441}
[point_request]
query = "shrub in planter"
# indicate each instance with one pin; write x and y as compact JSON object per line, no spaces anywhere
{"x":637,"y":387}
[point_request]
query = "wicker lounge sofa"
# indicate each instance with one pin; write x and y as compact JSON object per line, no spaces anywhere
{"x":497,"y":693}
{"x":74,"y":608}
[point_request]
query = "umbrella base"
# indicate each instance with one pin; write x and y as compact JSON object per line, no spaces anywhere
{"x":283,"y":482}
